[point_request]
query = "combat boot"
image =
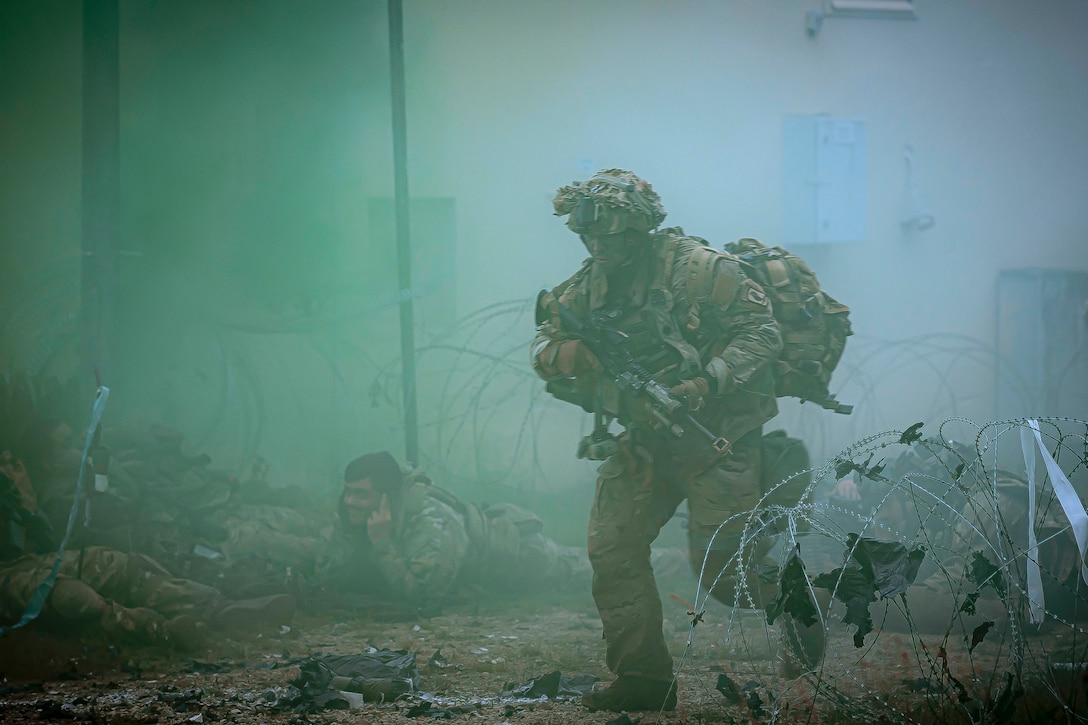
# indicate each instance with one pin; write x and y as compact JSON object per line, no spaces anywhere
{"x":251,"y":614}
{"x":146,"y":626}
{"x":630,"y":693}
{"x":137,"y":624}
{"x":185,"y":633}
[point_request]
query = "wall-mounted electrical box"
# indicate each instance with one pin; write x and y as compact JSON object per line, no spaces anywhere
{"x":823,"y":179}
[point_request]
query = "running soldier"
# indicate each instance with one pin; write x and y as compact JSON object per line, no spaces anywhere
{"x":689,"y":317}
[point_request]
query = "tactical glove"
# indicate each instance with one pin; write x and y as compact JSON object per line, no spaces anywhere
{"x":573,"y":358}
{"x":692,"y":391}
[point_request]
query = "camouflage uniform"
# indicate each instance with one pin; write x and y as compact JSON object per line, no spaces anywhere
{"x":121,"y":593}
{"x":261,"y":549}
{"x":689,"y":310}
{"x":956,"y":516}
{"x":245,"y":538}
{"x":440,"y":542}
{"x":1002,"y":522}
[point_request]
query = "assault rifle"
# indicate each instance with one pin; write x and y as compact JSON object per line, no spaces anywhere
{"x":629,"y":376}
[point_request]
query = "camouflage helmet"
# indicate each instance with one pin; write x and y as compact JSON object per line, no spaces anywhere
{"x":611,"y":201}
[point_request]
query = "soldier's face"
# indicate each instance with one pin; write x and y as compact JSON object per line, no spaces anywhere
{"x":609,"y":250}
{"x":361,"y":497}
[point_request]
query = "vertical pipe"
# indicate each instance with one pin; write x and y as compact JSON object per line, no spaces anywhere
{"x":404,"y":247}
{"x":100,"y":187}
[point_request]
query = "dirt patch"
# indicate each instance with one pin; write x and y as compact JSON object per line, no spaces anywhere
{"x":729,"y":671}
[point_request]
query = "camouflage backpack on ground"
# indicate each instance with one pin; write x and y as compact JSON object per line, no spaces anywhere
{"x":814,"y":324}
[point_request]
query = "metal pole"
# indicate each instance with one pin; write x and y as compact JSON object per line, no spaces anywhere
{"x":100,"y":187}
{"x":404,"y":247}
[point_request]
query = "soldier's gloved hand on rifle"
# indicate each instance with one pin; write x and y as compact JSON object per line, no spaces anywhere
{"x":569,"y":357}
{"x":692,"y":391}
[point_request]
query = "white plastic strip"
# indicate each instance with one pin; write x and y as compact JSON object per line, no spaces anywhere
{"x":1036,"y":603}
{"x":1067,"y":497}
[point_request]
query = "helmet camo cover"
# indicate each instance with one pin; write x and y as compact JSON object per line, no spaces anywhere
{"x":622,"y":201}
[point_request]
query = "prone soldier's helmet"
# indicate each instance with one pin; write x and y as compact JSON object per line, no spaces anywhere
{"x":611,"y":201}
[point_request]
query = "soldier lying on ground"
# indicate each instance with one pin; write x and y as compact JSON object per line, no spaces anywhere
{"x":959,"y":512}
{"x":239,"y":536}
{"x":122,"y":595}
{"x":250,"y":540}
{"x":410,"y":540}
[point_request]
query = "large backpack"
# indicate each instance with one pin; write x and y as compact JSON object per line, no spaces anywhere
{"x":814,"y":324}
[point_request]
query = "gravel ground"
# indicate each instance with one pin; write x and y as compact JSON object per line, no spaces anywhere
{"x":483,"y":648}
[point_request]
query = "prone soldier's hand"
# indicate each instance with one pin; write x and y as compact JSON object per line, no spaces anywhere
{"x":379,"y":527}
{"x":692,"y":391}
{"x":573,"y":358}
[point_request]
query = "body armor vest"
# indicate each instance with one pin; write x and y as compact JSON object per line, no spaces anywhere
{"x":642,"y":340}
{"x":656,"y":328}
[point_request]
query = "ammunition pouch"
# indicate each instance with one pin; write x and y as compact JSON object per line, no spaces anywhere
{"x":784,"y":458}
